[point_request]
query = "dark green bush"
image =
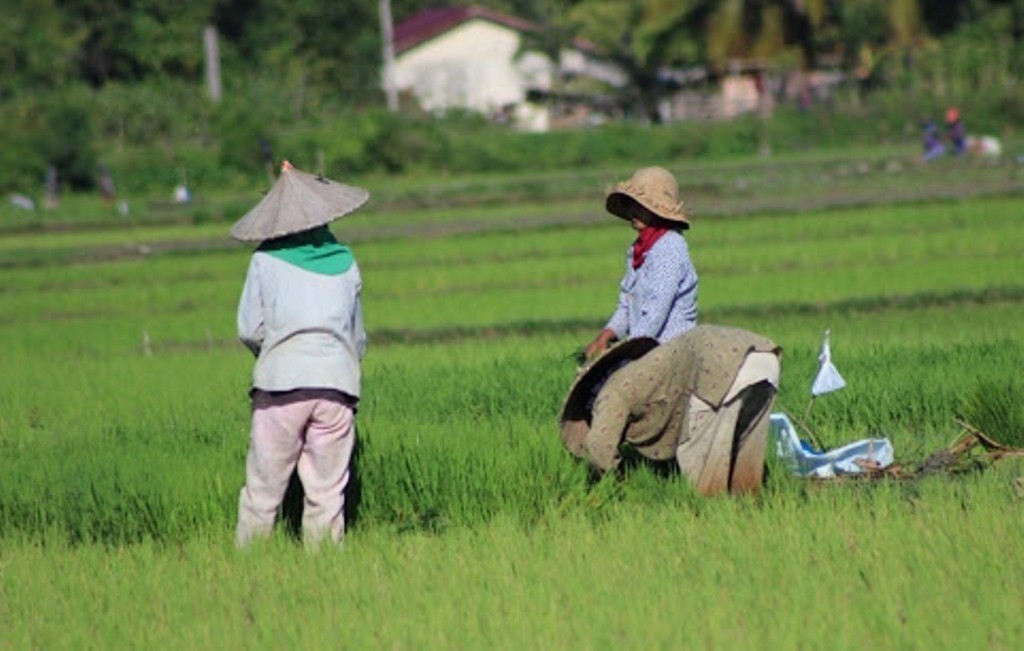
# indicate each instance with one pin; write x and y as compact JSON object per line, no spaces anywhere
{"x":66,"y":139}
{"x":23,"y":165}
{"x":241,"y":136}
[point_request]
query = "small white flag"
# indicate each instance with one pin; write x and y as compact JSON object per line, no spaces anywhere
{"x":828,"y":378}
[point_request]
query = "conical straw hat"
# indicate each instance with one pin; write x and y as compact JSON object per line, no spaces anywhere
{"x":574,"y":421}
{"x":297,"y":202}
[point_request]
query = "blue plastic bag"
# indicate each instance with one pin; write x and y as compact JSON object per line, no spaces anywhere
{"x":805,"y":461}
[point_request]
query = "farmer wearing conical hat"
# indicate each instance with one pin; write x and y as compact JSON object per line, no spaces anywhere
{"x":658,"y":293}
{"x":702,"y":398}
{"x":301,"y":316}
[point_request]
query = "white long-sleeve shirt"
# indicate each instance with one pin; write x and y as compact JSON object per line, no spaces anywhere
{"x":659,"y":299}
{"x":306,"y":328}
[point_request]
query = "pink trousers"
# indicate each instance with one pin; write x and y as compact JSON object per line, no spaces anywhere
{"x":313,"y":430}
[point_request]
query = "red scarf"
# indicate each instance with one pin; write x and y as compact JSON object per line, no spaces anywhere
{"x":644,"y":241}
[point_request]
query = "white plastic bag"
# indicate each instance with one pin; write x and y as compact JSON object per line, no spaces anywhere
{"x":805,"y":461}
{"x":828,"y":378}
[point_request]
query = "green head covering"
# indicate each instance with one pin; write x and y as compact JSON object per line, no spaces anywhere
{"x":314,"y":250}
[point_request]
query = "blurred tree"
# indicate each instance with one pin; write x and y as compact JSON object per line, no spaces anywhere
{"x":129,"y":40}
{"x":766,"y":29}
{"x":333,"y":46}
{"x":166,"y":38}
{"x":873,"y":31}
{"x":38,"y":45}
{"x":556,"y":32}
{"x":1017,"y":32}
{"x":944,"y":16}
{"x":341,"y":47}
{"x":863,"y":34}
{"x":66,"y":140}
{"x":645,"y":37}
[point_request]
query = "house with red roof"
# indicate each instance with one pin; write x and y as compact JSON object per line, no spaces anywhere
{"x":477,"y":59}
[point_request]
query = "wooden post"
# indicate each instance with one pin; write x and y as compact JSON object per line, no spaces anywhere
{"x":212,"y":62}
{"x":387,"y":39}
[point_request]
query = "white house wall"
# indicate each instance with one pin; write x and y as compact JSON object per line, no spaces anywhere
{"x":472,"y":66}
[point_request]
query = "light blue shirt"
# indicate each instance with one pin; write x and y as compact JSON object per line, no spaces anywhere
{"x":305,"y":328}
{"x":659,"y":299}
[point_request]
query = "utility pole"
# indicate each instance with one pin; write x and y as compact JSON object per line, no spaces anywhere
{"x":212,"y":62}
{"x":387,"y":37}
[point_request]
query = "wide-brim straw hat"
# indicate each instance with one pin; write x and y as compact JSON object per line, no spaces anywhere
{"x":574,"y":421}
{"x":655,"y":189}
{"x":297,"y":202}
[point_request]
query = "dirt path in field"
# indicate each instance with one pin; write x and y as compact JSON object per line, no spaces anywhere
{"x":955,"y":299}
{"x":740,"y":199}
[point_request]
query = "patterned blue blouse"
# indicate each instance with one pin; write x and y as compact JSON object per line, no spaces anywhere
{"x":660,"y":298}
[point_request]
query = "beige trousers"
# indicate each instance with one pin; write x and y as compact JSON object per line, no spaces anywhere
{"x":312,"y":431}
{"x":723,"y":449}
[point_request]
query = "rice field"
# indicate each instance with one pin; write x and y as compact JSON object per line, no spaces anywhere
{"x":124,"y":424}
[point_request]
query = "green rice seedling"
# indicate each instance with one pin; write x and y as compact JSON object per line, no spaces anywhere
{"x":471,"y":526}
{"x":995,"y":405}
{"x":874,"y":566}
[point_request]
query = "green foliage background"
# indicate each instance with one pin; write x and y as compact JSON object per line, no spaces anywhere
{"x":121,"y":83}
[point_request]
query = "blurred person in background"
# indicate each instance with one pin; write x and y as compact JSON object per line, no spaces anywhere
{"x":931,"y":141}
{"x":106,"y":184}
{"x":956,"y":131}
{"x":300,"y":314}
{"x":658,"y":293}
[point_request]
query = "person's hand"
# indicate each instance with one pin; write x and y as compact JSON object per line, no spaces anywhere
{"x":600,"y":343}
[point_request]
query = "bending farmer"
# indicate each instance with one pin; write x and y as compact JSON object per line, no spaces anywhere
{"x":703,"y":397}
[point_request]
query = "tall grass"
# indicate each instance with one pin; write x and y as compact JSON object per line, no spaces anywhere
{"x":995,"y":405}
{"x":875,"y":567}
{"x":451,"y":434}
